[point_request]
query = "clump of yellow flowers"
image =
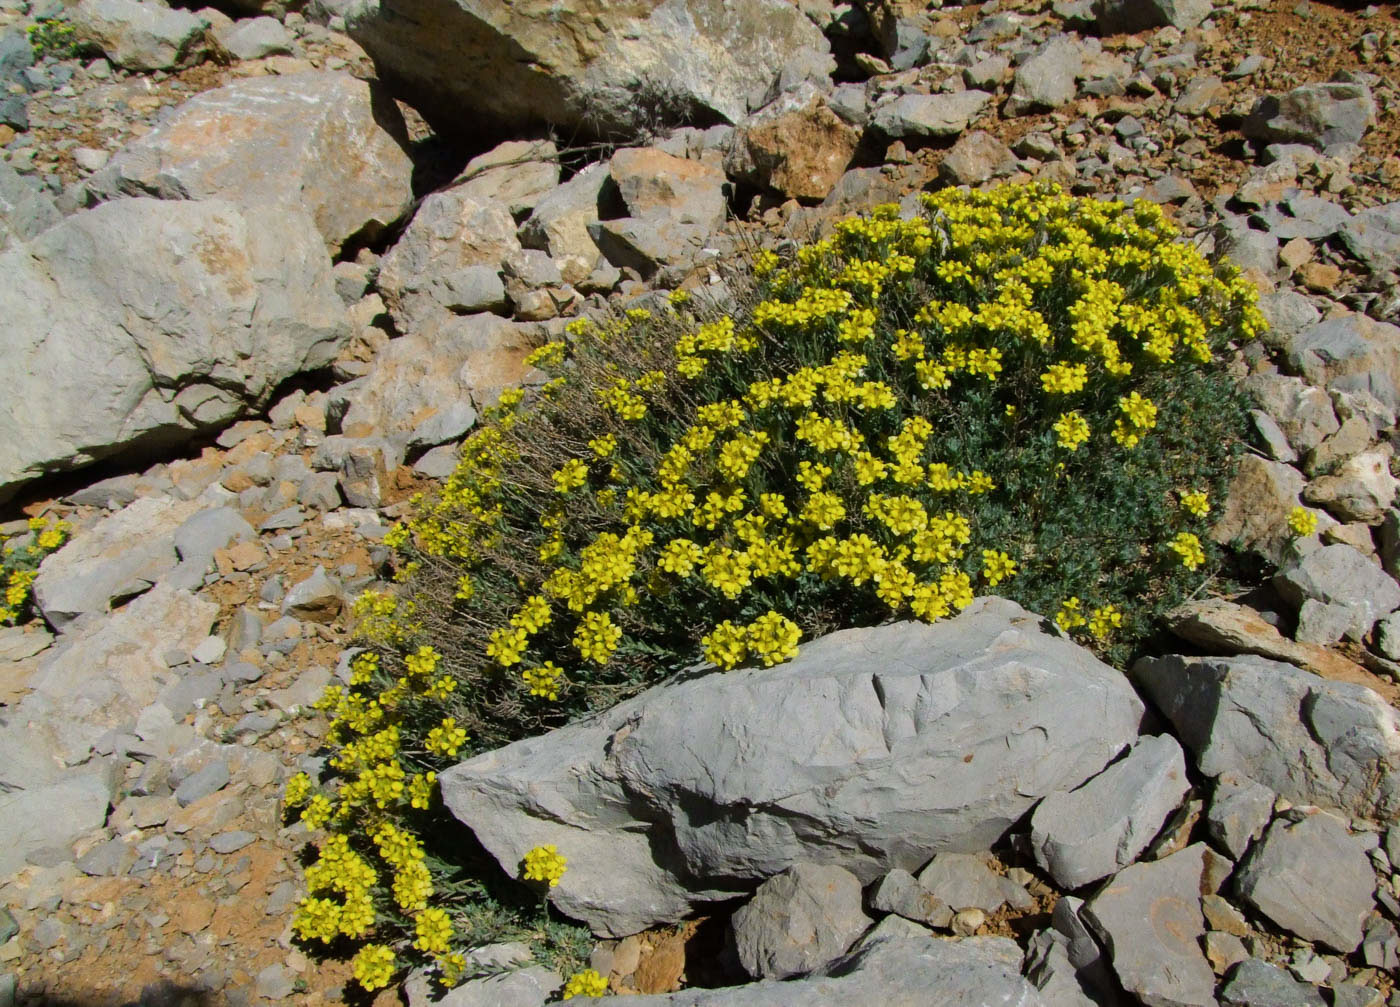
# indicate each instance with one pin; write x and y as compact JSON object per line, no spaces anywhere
{"x":1011,"y":391}
{"x":20,"y":557}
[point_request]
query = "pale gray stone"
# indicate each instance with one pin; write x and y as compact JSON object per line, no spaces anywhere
{"x":1257,"y":505}
{"x":203,"y":782}
{"x":1047,"y":79}
{"x":1150,"y":919}
{"x":140,"y":322}
{"x":1373,"y":236}
{"x":1318,"y":114}
{"x":1116,"y":16}
{"x":1288,"y":312}
{"x":516,"y":174}
{"x":1239,"y":811}
{"x":929,"y":116}
{"x":710,"y":778}
{"x":449,"y":424}
{"x":231,"y":842}
{"x":475,"y":69}
{"x":438,"y":463}
{"x":1351,"y":353}
{"x":1302,"y":411}
{"x":976,"y":158}
{"x":1361,"y":490}
{"x":799,"y":921}
{"x":121,"y":556}
{"x":894,"y":972}
{"x":140,"y":36}
{"x":1340,"y":576}
{"x":254,"y":38}
{"x":1312,"y":878}
{"x":1254,"y":983}
{"x":316,"y":598}
{"x":1314,"y":741}
{"x":25,"y":210}
{"x":49,"y":808}
{"x":966,"y":881}
{"x":20,"y":642}
{"x":900,"y":892}
{"x":1101,"y":827}
{"x":559,"y":223}
{"x":323,"y":142}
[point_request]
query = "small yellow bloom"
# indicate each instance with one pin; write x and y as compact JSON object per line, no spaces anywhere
{"x":587,"y":983}
{"x":1195,"y":503}
{"x":544,"y":863}
{"x":1302,"y":521}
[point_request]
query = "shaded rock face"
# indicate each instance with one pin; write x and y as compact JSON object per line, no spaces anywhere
{"x":138,"y":323}
{"x":874,"y":749}
{"x":1314,"y":741}
{"x":326,"y":142}
{"x":606,"y":67}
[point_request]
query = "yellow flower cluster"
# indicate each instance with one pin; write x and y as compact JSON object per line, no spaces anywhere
{"x":587,"y":983}
{"x":545,"y":863}
{"x":373,"y":966}
{"x":772,"y":638}
{"x":19,"y":564}
{"x":1302,"y":521}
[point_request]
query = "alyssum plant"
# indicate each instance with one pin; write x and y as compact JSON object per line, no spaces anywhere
{"x":1015,"y":392}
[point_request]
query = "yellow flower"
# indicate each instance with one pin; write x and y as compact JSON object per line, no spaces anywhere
{"x":373,"y":966}
{"x":1195,"y":503}
{"x":544,"y":680}
{"x":434,"y":931}
{"x":1069,"y":615}
{"x":587,"y":983}
{"x":1071,"y":430}
{"x":1105,"y":620}
{"x":446,"y":738}
{"x":997,"y":566}
{"x":1302,"y":521}
{"x":773,"y":638}
{"x":1188,"y":547}
{"x":570,"y":476}
{"x":727,"y":645}
{"x":544,"y":863}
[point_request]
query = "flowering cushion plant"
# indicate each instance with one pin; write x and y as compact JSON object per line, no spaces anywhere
{"x":1015,"y":391}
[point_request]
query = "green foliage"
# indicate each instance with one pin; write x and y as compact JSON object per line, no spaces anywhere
{"x":1016,"y":393}
{"x":20,"y":557}
{"x":52,"y":37}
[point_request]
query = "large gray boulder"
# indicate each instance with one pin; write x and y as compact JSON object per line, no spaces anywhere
{"x":873,"y":749}
{"x":1096,"y":830}
{"x":1352,"y":589}
{"x":134,"y":325}
{"x":122,"y":556}
{"x":1373,"y":236}
{"x":1353,"y":353}
{"x":325,"y":142}
{"x":140,"y":34}
{"x":1316,"y":114}
{"x":929,"y":116}
{"x":911,"y":971}
{"x":1312,"y":878}
{"x":1149,"y":917}
{"x":799,"y":921}
{"x":1314,"y":741}
{"x":1115,"y":16}
{"x":608,"y":68}
{"x":24,"y":209}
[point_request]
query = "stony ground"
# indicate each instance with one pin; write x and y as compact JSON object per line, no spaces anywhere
{"x":192,"y":905}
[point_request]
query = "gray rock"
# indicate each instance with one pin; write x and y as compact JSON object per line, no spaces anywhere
{"x":1046,"y":80}
{"x":140,"y":36}
{"x":287,"y":517}
{"x":1318,"y":114}
{"x":1149,"y":918}
{"x":449,"y":425}
{"x":8,"y":926}
{"x":532,"y":986}
{"x":1312,"y":878}
{"x":1288,"y":312}
{"x":231,"y":842}
{"x":559,"y":223}
{"x":201,"y":783}
{"x":965,"y":881}
{"x":24,"y":208}
{"x":319,"y":491}
{"x":1048,"y":967}
{"x":1302,"y":411}
{"x":1350,"y":354}
{"x":1239,"y":811}
{"x":1373,"y":236}
{"x":439,"y":463}
{"x":1340,"y":576}
{"x":799,"y":921}
{"x":20,"y":642}
{"x":448,"y":259}
{"x":470,"y":67}
{"x":364,"y":473}
{"x":1101,"y":827}
{"x":1130,"y":16}
{"x":254,"y":38}
{"x":900,"y":892}
{"x":894,"y":972}
{"x":1254,"y":983}
{"x":1314,"y":741}
{"x":201,"y":536}
{"x":316,"y":598}
{"x":1018,"y":709}
{"x":121,"y":556}
{"x":1257,"y":506}
{"x":9,"y":985}
{"x":976,"y":158}
{"x":1314,"y":218}
{"x":324,"y":142}
{"x":986,"y":74}
{"x":42,"y":811}
{"x":107,"y":860}
{"x":120,"y":354}
{"x":274,"y":982}
{"x":930,"y":116}
{"x":516,"y":174}
{"x":1361,"y":490}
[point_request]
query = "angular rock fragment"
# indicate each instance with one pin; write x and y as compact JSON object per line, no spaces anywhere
{"x":799,"y":921}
